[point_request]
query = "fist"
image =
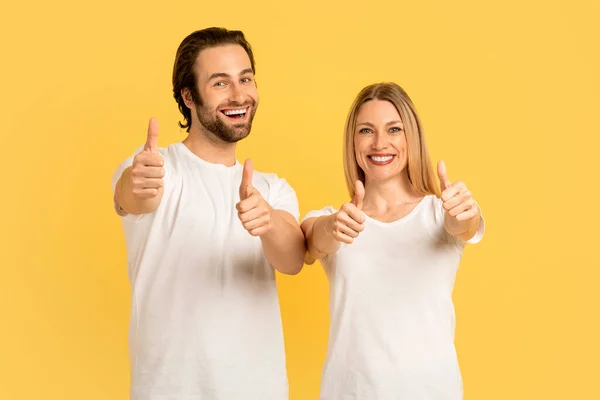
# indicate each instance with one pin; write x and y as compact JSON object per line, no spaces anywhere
{"x":346,"y":224}
{"x":457,"y":200}
{"x":147,"y":171}
{"x":253,"y":210}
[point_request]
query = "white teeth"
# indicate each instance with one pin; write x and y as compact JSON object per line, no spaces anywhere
{"x":381,"y":159}
{"x":235,"y":112}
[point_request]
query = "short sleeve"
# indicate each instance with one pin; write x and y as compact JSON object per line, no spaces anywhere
{"x":329,"y":210}
{"x":480,"y":231}
{"x":283,"y":197}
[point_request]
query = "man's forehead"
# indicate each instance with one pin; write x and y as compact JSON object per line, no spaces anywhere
{"x":228,"y":59}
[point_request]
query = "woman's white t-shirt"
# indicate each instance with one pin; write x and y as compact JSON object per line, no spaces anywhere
{"x":392,"y":317}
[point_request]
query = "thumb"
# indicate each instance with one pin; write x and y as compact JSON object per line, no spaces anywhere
{"x":359,"y":194}
{"x":246,"y":186}
{"x":152,"y":140}
{"x":443,"y":175}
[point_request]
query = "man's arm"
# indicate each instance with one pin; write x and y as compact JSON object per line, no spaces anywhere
{"x":284,"y":244}
{"x":280,"y":234}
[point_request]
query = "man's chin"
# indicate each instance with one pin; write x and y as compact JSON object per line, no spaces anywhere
{"x":236,"y":134}
{"x":242,"y":135}
{"x":242,"y":130}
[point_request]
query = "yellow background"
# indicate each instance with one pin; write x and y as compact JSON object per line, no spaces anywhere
{"x":508,"y":92}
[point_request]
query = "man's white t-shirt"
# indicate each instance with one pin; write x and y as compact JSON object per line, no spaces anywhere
{"x":392,"y":317}
{"x":205,"y":318}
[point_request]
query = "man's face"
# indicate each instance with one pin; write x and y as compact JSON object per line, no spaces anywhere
{"x":227,"y":93}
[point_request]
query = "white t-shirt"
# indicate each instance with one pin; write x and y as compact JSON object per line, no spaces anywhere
{"x":205,"y":318}
{"x":392,"y":317}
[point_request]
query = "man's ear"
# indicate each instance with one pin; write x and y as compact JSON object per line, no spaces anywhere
{"x":186,"y":94}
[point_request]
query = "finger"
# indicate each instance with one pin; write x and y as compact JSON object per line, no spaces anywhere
{"x":359,"y":194}
{"x":152,"y":139}
{"x":443,"y":175}
{"x":149,"y":159}
{"x":145,"y":193}
{"x":144,"y":183}
{"x":346,"y":230}
{"x":259,"y":231}
{"x":152,"y":183}
{"x":246,"y":185}
{"x":149,"y":172}
{"x":341,"y":237}
{"x":353,"y":212}
{"x":248,"y":204}
{"x":453,"y":190}
{"x":257,"y":222}
{"x":462,"y":207}
{"x":460,"y":197}
{"x":254,"y":213}
{"x":471,"y":213}
{"x":351,"y":223}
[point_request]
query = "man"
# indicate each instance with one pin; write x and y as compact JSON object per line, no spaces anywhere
{"x":204,"y":235}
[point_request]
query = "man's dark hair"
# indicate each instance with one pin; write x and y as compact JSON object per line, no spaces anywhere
{"x":187,"y":53}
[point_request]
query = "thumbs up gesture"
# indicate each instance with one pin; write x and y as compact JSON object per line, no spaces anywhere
{"x":147,"y":171}
{"x":457,"y":200}
{"x":253,"y":211}
{"x":347,"y":223}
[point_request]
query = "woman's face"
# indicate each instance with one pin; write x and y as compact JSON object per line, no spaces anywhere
{"x":380,"y":141}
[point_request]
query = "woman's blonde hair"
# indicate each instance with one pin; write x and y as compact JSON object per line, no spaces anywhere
{"x":420,"y":171}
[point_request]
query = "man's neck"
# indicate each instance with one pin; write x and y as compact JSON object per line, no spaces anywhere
{"x":210,"y":148}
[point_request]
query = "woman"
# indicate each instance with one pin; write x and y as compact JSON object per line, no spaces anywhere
{"x":391,"y":256}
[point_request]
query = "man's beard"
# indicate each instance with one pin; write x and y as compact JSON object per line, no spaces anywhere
{"x":227,"y":133}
